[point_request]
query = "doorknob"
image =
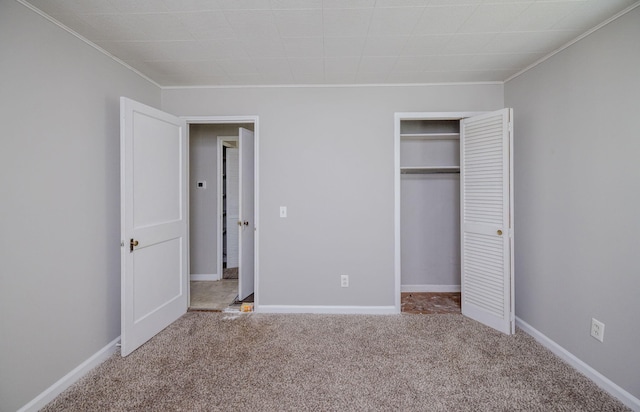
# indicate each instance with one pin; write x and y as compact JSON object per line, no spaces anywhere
{"x":133,"y":243}
{"x":499,"y":232}
{"x":239,"y":222}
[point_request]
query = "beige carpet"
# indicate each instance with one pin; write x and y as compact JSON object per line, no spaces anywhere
{"x":209,"y":361}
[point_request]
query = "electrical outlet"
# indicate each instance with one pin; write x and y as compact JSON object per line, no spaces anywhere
{"x":344,"y":281}
{"x":597,"y":329}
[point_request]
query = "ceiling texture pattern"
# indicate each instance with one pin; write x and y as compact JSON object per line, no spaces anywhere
{"x":285,"y":42}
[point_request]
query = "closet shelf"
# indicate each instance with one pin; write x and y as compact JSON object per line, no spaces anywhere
{"x":429,"y":170}
{"x":431,"y":136}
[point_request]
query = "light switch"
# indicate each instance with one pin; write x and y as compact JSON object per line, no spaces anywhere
{"x":283,"y":211}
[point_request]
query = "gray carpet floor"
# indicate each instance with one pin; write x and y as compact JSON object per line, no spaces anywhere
{"x":209,"y":361}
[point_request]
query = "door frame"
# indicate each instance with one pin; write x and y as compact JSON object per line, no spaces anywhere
{"x":256,"y":190}
{"x":220,"y":172}
{"x":397,"y":118}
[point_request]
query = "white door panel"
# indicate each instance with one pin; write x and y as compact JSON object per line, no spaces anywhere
{"x":154,"y":222}
{"x":154,"y":271}
{"x":486,"y":219}
{"x":156,"y":171}
{"x":246,"y":218}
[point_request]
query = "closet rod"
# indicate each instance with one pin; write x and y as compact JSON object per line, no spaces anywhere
{"x":428,"y":172}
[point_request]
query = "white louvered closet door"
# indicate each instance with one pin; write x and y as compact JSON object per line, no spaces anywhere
{"x":486,"y":191}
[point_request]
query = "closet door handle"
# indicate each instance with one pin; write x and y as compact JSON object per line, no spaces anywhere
{"x":246,"y":223}
{"x":499,"y":232}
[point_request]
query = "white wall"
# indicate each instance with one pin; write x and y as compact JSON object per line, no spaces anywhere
{"x":60,"y":213}
{"x":577,"y":197}
{"x":327,"y":154}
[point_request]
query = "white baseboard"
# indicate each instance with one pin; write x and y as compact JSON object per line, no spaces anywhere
{"x":70,"y":378}
{"x":204,"y":277}
{"x":430,"y":288}
{"x":361,"y":310}
{"x":599,"y":379}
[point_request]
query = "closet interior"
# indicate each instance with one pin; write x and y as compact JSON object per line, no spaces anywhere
{"x":430,"y":204}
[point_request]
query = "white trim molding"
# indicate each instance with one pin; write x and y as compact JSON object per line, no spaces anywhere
{"x":332,"y":85}
{"x":350,"y":310}
{"x":599,"y":379}
{"x":430,"y":288}
{"x":201,"y":276}
{"x":70,"y":378}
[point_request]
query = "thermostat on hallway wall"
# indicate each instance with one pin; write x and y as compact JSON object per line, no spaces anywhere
{"x":202,"y":184}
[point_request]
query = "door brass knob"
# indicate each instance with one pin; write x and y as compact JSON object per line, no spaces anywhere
{"x":134,"y":243}
{"x":499,"y":232}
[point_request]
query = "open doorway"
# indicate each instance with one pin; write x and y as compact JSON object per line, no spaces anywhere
{"x":221,"y":250}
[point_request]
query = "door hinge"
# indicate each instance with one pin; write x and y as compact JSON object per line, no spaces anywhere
{"x":511,"y":126}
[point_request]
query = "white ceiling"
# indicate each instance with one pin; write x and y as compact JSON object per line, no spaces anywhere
{"x":276,"y":42}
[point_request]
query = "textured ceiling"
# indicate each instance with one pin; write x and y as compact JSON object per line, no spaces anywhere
{"x":276,"y":42}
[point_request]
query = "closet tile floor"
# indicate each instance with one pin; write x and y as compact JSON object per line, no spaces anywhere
{"x":213,"y":295}
{"x":430,"y":303}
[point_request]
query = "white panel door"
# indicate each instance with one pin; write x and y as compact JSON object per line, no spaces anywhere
{"x":153,"y":150}
{"x":486,"y":191}
{"x":246,"y":220}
